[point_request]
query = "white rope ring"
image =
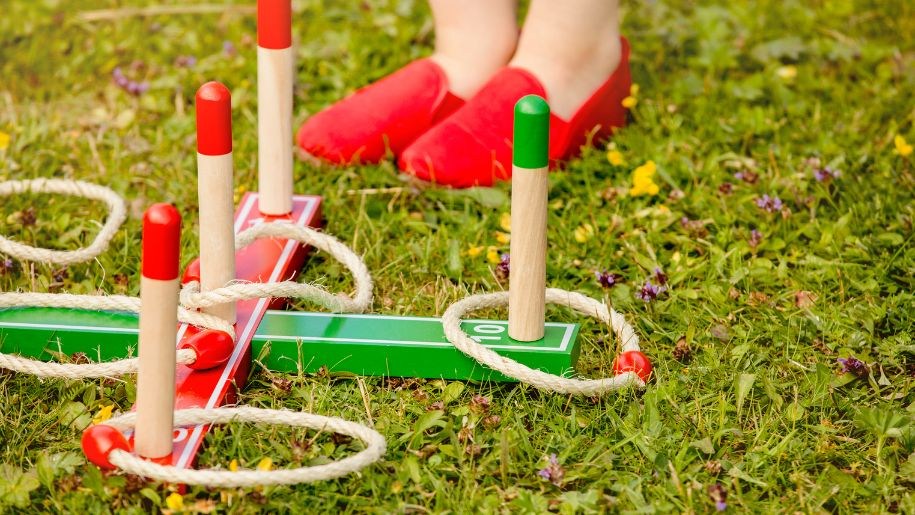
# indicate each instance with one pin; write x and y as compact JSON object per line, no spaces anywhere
{"x":451,"y":320}
{"x":101,"y":303}
{"x":374,"y":443}
{"x":192,"y":297}
{"x":84,"y":370}
{"x":117,"y":213}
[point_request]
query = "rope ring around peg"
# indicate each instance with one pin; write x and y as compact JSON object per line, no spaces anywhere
{"x":117,"y":213}
{"x":192,"y":297}
{"x":451,"y":320}
{"x":374,"y":449}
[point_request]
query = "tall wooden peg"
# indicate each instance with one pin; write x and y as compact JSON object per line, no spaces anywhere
{"x":158,"y":322}
{"x":527,"y":268}
{"x":275,"y":61}
{"x":215,"y":192}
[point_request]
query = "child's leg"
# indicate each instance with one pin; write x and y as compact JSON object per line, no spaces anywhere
{"x":571,"y":46}
{"x":473,"y":40}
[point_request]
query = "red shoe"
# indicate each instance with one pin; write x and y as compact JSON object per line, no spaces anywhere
{"x":390,"y":113}
{"x":473,"y":146}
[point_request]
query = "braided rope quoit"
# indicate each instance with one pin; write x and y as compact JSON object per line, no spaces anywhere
{"x":101,"y":303}
{"x":83,"y":370}
{"x":117,"y":213}
{"x":374,"y":442}
{"x":451,"y":320}
{"x":192,"y":297}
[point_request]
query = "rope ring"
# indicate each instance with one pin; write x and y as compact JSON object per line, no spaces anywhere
{"x":374,"y":442}
{"x":117,"y":213}
{"x":192,"y":297}
{"x":451,"y":320}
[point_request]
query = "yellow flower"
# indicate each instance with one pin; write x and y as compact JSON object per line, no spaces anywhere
{"x":265,"y":465}
{"x":902,"y":147}
{"x":475,"y":251}
{"x":503,"y":237}
{"x":233,"y":465}
{"x":642,"y":183}
{"x":4,"y":140}
{"x":786,"y":73}
{"x":584,"y":233}
{"x":645,"y":171}
{"x":630,"y":102}
{"x":492,"y":255}
{"x":103,"y":414}
{"x":175,"y":502}
{"x":615,"y":157}
{"x":634,"y":89}
{"x":505,"y":222}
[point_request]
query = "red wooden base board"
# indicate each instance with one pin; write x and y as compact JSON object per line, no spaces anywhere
{"x":265,"y":260}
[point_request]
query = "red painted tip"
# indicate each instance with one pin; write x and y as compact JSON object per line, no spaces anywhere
{"x":98,"y":442}
{"x":161,"y":242}
{"x":274,"y":23}
{"x":213,"y":348}
{"x":214,"y":119}
{"x":633,"y":361}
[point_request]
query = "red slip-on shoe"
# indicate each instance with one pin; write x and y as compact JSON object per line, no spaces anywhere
{"x":473,"y":146}
{"x":389,"y":113}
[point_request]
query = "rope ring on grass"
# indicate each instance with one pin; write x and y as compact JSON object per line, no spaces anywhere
{"x":451,"y":320}
{"x":117,"y":213}
{"x":119,"y":456}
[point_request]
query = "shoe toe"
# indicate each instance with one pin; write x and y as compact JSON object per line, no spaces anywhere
{"x":451,"y":155}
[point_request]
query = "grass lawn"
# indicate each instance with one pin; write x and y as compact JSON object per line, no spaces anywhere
{"x":806,"y":102}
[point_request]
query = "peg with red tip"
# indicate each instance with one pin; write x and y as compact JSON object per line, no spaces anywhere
{"x":274,"y":106}
{"x":215,"y":192}
{"x":158,"y":320}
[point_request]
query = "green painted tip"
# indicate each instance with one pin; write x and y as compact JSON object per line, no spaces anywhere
{"x":532,"y":133}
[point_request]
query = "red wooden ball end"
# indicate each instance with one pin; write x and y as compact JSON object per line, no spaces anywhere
{"x":633,"y":361}
{"x":213,"y":348}
{"x":98,"y":442}
{"x":192,"y":272}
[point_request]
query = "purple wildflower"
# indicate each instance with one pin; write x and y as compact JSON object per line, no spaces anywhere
{"x":854,"y":366}
{"x":650,"y":292}
{"x":185,"y":61}
{"x":826,"y":174}
{"x":770,"y":204}
{"x":660,"y":276}
{"x":725,"y":188}
{"x":504,"y":266}
{"x":812,"y":162}
{"x":747,"y":176}
{"x":553,"y":472}
{"x":228,"y":48}
{"x":6,"y":265}
{"x":133,"y":87}
{"x":607,"y":279}
{"x":756,"y":238}
{"x":719,"y":495}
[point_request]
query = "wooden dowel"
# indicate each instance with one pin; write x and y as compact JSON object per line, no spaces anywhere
{"x":275,"y":61}
{"x":215,"y":192}
{"x":527,"y":266}
{"x":158,"y":320}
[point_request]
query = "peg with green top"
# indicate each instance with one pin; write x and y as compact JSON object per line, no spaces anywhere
{"x":527,"y":268}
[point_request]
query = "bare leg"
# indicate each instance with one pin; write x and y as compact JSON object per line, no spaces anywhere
{"x":473,"y":40}
{"x":572,"y":47}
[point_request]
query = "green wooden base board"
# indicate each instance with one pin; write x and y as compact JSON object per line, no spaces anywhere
{"x":292,"y":341}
